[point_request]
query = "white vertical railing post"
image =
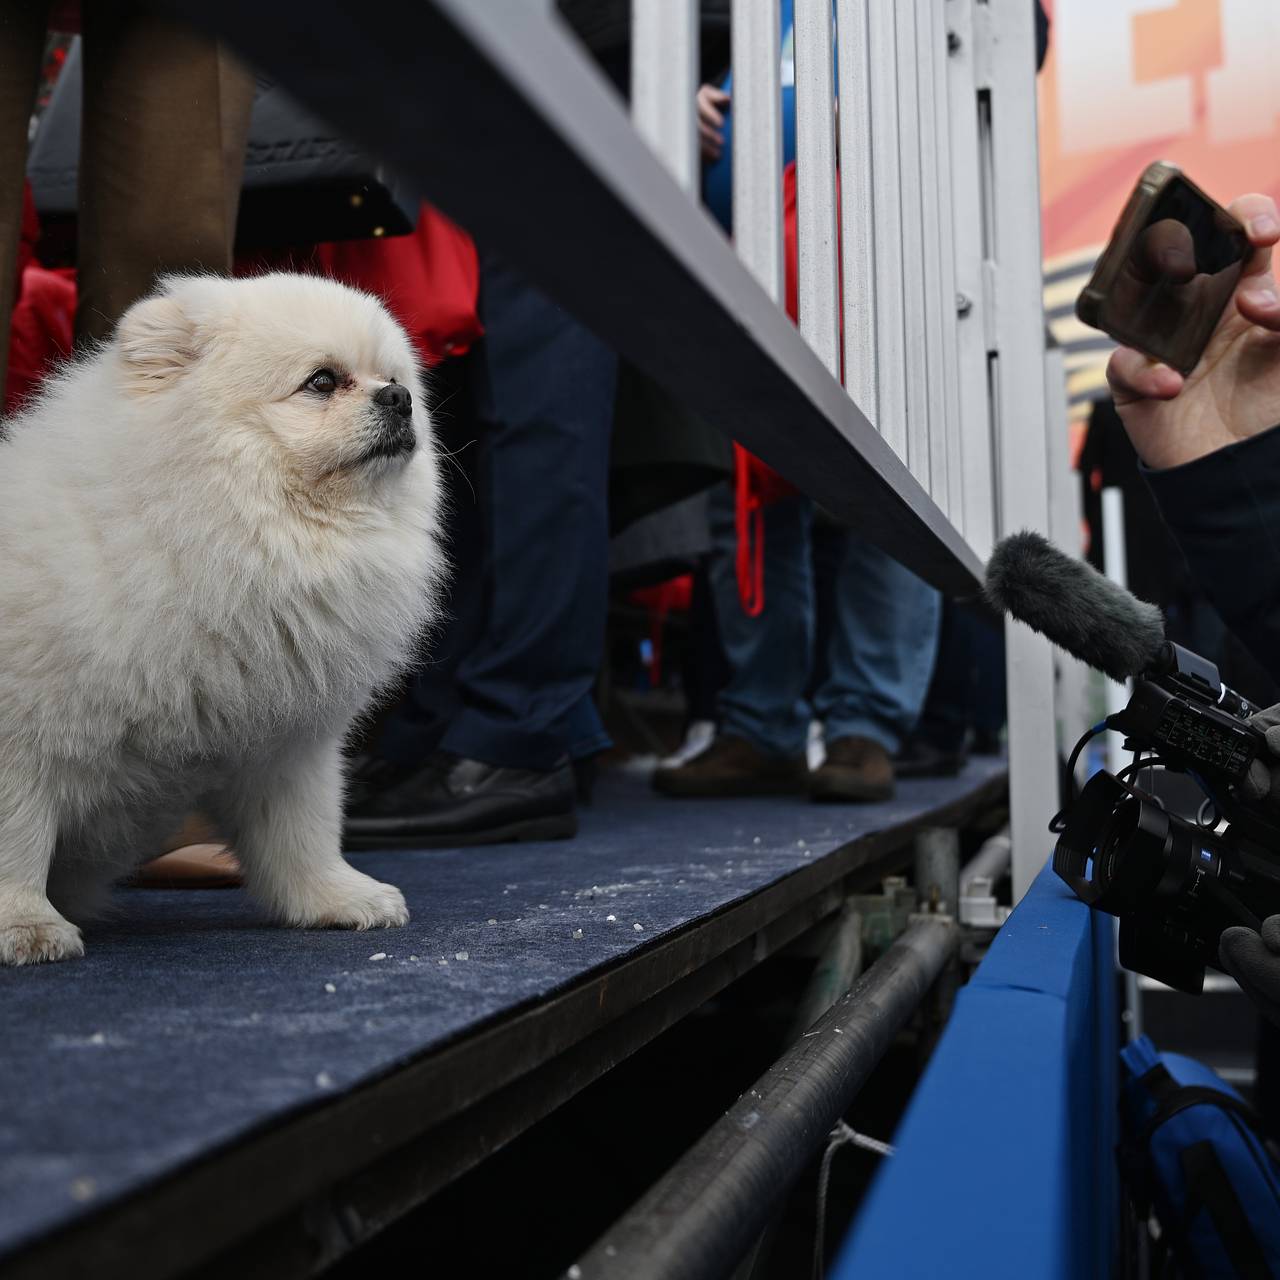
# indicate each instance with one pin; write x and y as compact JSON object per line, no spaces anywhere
{"x":929,"y":32}
{"x":1115,"y":564}
{"x":664,"y":82}
{"x":945,"y":292}
{"x":858,"y":236}
{"x":886,"y":200}
{"x":818,"y":283}
{"x":976,"y":517}
{"x":1006,"y":29}
{"x":757,"y":140}
{"x":1065,"y":531}
{"x":914,"y":289}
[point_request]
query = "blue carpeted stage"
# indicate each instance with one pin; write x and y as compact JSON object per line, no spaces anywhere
{"x":192,"y":1031}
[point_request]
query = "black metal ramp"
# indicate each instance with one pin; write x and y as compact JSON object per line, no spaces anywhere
{"x":200,"y":1076}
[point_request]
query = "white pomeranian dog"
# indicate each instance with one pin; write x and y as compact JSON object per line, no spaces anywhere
{"x":217,"y":540}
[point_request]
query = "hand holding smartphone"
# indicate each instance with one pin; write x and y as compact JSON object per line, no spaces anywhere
{"x":1200,"y":314}
{"x":1170,"y":269}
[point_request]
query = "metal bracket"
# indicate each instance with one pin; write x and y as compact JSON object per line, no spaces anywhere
{"x":978,"y":906}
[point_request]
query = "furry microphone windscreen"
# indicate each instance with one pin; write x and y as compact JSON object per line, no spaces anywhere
{"x":1072,"y":604}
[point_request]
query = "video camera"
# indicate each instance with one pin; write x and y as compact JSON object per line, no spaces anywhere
{"x":1174,"y":883}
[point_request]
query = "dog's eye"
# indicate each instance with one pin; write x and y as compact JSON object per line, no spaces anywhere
{"x":323,"y":382}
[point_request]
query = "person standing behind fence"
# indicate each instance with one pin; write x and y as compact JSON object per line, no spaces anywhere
{"x":868,"y":680}
{"x":490,"y":739}
{"x":166,"y":118}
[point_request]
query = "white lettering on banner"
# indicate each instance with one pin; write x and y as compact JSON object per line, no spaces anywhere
{"x":1244,"y":93}
{"x":1100,"y":103}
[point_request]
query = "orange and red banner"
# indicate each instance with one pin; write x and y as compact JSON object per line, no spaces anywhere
{"x":1131,"y":81}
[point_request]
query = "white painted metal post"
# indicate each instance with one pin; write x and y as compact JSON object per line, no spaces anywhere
{"x":664,"y":82}
{"x":977,"y":518}
{"x":945,"y":292}
{"x":1006,"y":29}
{"x":914,"y":296}
{"x":929,"y":32}
{"x":1065,"y":531}
{"x":857,"y":206}
{"x":886,"y":199}
{"x":757,"y":140}
{"x":818,"y":283}
{"x":1115,"y":562}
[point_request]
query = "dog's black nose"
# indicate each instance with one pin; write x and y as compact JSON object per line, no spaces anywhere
{"x":394,"y":396}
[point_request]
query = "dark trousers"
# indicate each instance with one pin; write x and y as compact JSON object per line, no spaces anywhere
{"x":512,"y":670}
{"x":968,"y":686}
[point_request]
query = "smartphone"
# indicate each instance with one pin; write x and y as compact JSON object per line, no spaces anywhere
{"x":1170,"y":268}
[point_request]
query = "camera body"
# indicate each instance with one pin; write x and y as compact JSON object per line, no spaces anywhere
{"x":1174,"y":882}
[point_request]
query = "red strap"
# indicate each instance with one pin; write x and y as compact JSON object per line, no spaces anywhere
{"x":748,"y":521}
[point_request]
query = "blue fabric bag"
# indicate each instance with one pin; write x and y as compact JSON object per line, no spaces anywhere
{"x":1193,"y":1151}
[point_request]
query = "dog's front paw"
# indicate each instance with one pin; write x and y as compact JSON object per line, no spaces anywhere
{"x":39,"y":939}
{"x":352,"y":901}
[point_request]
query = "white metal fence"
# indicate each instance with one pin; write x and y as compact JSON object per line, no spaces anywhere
{"x":937,"y":188}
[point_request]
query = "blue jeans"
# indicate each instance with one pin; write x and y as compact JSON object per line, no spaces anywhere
{"x":514,"y":665}
{"x":968,"y":688}
{"x":865,"y":672}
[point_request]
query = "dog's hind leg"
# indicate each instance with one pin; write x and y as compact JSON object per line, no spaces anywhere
{"x":283,"y":818}
{"x":30,"y":929}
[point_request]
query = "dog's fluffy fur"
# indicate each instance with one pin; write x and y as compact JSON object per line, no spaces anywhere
{"x":207,"y":566}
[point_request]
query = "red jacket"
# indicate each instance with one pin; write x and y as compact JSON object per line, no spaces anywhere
{"x":44,"y":308}
{"x":430,"y":280}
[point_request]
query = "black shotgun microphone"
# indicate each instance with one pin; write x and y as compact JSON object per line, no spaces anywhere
{"x":1072,"y":604}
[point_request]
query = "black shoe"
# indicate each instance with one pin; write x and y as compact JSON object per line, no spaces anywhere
{"x":920,"y":758}
{"x":585,"y":773}
{"x":449,"y":802}
{"x":369,"y":774}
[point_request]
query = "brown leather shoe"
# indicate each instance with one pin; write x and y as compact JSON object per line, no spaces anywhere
{"x":733,"y":767}
{"x":857,"y":769}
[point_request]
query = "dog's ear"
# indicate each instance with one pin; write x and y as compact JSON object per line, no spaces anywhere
{"x":157,"y":342}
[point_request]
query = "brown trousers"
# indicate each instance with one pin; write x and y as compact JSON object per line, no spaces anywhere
{"x":166,"y":118}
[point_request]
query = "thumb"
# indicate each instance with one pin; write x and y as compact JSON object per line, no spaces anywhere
{"x":1271,"y":934}
{"x":1244,"y":956}
{"x":1256,"y":784}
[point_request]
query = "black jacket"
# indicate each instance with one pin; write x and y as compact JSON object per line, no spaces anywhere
{"x":1224,"y":511}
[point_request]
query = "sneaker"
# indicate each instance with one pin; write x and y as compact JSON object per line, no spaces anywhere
{"x":733,"y":767}
{"x":857,"y":769}
{"x":816,"y":749}
{"x":699,"y":736}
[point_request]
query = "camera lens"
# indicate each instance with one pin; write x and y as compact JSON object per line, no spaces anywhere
{"x":1131,"y":856}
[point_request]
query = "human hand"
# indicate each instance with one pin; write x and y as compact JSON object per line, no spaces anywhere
{"x":1234,"y":392}
{"x":1262,"y":782}
{"x":1165,"y":294}
{"x":712,"y":104}
{"x":1253,"y":960}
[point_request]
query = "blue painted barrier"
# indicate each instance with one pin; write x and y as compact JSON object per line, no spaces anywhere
{"x":1004,"y":1165}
